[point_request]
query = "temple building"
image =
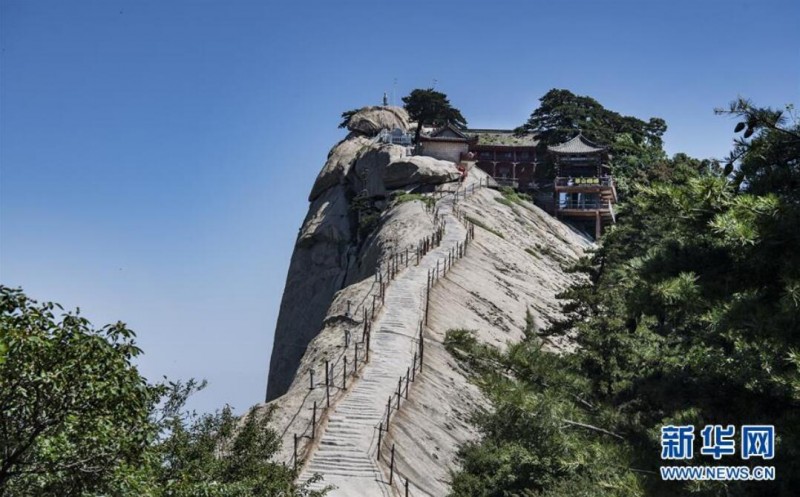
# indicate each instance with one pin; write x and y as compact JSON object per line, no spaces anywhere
{"x":446,"y":143}
{"x":509,"y":158}
{"x":583,"y":187}
{"x":583,"y":190}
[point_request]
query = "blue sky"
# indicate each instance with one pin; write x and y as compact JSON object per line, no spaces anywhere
{"x":156,"y":156}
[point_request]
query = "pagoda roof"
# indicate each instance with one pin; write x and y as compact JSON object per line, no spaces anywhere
{"x":578,"y":145}
{"x":503,"y":138}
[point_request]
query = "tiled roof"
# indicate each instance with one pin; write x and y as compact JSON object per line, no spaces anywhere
{"x":454,"y":139}
{"x":447,"y":133}
{"x":505,"y":137}
{"x":578,"y":145}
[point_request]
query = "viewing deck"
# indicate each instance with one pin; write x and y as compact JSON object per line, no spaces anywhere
{"x":604,"y":185}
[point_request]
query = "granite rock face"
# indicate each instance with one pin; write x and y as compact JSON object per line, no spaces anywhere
{"x":335,"y":246}
{"x":511,"y":274}
{"x":371,"y":120}
{"x":337,"y":167}
{"x":418,"y":170}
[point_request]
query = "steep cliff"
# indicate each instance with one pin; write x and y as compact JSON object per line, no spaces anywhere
{"x":339,"y":244}
{"x":348,"y":250}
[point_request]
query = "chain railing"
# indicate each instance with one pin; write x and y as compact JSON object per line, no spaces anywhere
{"x":443,"y":266}
{"x":388,"y":269}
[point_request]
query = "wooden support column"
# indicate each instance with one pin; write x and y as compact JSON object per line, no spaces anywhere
{"x":598,"y":225}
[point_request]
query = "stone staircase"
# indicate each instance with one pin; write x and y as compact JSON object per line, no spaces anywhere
{"x":346,"y":452}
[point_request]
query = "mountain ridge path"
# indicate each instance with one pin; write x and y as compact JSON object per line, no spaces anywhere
{"x":345,"y":452}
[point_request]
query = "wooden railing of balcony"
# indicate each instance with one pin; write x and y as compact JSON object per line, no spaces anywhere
{"x":585,"y":181}
{"x":499,"y":156}
{"x":589,"y":205}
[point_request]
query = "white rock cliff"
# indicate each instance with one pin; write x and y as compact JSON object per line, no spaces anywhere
{"x":512,"y":268}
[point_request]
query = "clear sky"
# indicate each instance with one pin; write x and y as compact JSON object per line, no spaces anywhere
{"x":156,"y":156}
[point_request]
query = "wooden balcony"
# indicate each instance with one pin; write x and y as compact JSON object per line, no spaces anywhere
{"x":585,"y":208}
{"x":591,"y":184}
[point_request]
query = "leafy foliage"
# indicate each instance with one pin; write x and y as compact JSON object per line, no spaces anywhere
{"x":73,"y":408}
{"x":403,"y":197}
{"x":431,"y":107}
{"x":216,"y":454}
{"x":482,"y":225}
{"x":562,"y":114}
{"x":689,"y":313}
{"x":77,"y":418}
{"x":346,"y":116}
{"x":635,"y":145}
{"x":540,"y":438}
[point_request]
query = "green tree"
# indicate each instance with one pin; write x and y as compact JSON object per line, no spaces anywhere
{"x":216,"y":454}
{"x":431,"y":107}
{"x":77,"y":419}
{"x":346,"y":116}
{"x":635,"y":145}
{"x":562,"y":114}
{"x":73,"y":407}
{"x":689,"y":313}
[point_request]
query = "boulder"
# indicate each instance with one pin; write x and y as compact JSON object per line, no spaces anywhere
{"x":371,"y":120}
{"x":370,"y":166}
{"x":340,"y":159}
{"x":328,"y":219}
{"x":418,"y":170}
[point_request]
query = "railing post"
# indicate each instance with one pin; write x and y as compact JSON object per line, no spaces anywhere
{"x":295,"y":452}
{"x":406,"y":487}
{"x":327,"y":384}
{"x":421,"y":350}
{"x":388,"y":412}
{"x":311,"y":379}
{"x":414,"y":368}
{"x":380,"y":438}
{"x":366,"y":353}
{"x":399,"y":390}
{"x":427,"y":303}
{"x":314,"y":422}
{"x":391,"y":467}
{"x":355,"y":360}
{"x":408,"y":375}
{"x":344,"y":374}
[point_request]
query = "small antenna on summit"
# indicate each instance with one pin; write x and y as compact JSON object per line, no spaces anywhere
{"x":385,"y":99}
